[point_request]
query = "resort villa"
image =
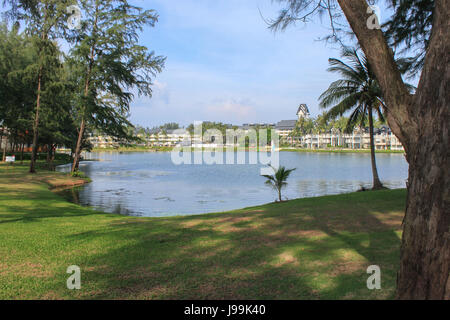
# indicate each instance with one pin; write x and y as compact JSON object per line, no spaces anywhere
{"x":358,"y":139}
{"x":334,"y":138}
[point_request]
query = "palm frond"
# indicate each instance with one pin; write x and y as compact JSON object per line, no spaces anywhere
{"x":356,"y":89}
{"x":343,"y":107}
{"x":278,"y":180}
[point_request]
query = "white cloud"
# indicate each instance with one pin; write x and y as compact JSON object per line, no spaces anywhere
{"x":161,"y":91}
{"x":220,"y":52}
{"x":232,"y":110}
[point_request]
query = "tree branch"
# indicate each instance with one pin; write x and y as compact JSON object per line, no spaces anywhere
{"x":396,"y":94}
{"x":435,"y":70}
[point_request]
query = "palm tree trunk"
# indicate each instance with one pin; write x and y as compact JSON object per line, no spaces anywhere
{"x":376,"y":180}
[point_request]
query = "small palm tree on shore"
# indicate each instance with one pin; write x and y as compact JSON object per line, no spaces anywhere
{"x":278,"y":180}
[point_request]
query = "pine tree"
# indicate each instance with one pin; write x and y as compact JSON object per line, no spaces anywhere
{"x":45,"y":21}
{"x":109,"y":62}
{"x":17,"y":56}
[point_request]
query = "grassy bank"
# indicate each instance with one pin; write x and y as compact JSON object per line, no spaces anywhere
{"x":24,"y":159}
{"x":302,"y":249}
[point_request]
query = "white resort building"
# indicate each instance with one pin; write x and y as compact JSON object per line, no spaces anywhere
{"x":358,"y":139}
{"x":103,"y":142}
{"x":169,"y":138}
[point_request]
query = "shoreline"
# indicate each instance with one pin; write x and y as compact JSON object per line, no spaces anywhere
{"x":61,"y":181}
{"x":53,"y":179}
{"x":169,"y":149}
{"x":342,"y":151}
{"x":79,"y":182}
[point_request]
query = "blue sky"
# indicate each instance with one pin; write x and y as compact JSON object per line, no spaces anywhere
{"x":223,"y":64}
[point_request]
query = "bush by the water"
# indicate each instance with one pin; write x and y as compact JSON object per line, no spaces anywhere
{"x":78,"y":174}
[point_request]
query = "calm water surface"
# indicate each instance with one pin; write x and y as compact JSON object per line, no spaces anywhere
{"x":149,"y":184}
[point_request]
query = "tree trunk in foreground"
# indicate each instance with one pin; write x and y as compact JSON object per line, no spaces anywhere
{"x":420,"y":121}
{"x":376,"y":179}
{"x":425,"y":256}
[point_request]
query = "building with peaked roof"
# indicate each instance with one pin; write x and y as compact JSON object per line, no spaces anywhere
{"x":285,"y":127}
{"x":303,"y":112}
{"x":248,"y":126}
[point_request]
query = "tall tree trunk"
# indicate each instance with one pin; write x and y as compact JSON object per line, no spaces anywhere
{"x":76,"y":161}
{"x":36,"y":125}
{"x":376,"y":179}
{"x":21,"y":153}
{"x":54,"y":146}
{"x":5,"y":147}
{"x":425,"y":256}
{"x":51,"y":157}
{"x":1,"y":143}
{"x":420,"y":121}
{"x":425,"y":265}
{"x":49,"y":153}
{"x":77,"y":155}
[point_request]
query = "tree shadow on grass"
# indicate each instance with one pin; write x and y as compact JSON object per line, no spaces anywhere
{"x":304,"y":249}
{"x":37,"y":205}
{"x":299,"y":250}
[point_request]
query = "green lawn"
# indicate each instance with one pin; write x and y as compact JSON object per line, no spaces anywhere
{"x":316,"y":248}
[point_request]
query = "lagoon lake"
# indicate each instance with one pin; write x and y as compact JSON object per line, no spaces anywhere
{"x":151,"y":185}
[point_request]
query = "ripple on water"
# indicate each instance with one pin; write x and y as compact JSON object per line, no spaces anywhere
{"x":149,"y":184}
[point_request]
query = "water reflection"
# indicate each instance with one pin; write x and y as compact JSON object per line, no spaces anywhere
{"x":149,"y":184}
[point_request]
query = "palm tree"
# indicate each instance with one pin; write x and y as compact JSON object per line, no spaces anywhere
{"x":359,"y":92}
{"x":293,"y":134}
{"x":278,"y":180}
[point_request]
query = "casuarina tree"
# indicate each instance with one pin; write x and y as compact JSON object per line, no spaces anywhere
{"x":46,"y":21}
{"x":109,"y":63}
